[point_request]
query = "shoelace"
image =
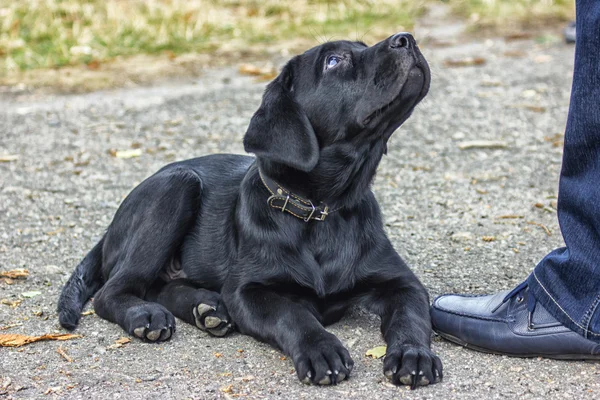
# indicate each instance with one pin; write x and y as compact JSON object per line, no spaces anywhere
{"x":519,"y":292}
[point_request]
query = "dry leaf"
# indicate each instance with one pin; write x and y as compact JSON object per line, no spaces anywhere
{"x":464,"y":62}
{"x":11,"y":303}
{"x":482,"y":144}
{"x":8,"y":157}
{"x":125,"y":153}
{"x":376,"y":352}
{"x":490,"y":83}
{"x":263,"y":74}
{"x":86,"y":313}
{"x":488,"y":238}
{"x":517,"y":36}
{"x":119,"y":343}
{"x":15,"y":273}
{"x":227,"y":389}
{"x":16,"y":340}
{"x":218,"y":355}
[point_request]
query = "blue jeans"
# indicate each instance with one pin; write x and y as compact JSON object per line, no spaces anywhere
{"x":567,"y":281}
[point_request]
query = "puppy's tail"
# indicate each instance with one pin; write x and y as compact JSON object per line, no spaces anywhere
{"x":83,"y":283}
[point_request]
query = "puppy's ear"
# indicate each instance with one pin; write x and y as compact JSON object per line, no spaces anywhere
{"x":280,"y":130}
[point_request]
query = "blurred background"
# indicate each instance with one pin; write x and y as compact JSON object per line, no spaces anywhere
{"x":156,"y":38}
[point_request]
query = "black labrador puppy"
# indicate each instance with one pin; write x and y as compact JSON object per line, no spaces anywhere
{"x":279,"y":245}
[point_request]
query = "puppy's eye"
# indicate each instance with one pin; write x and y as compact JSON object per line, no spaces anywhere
{"x":332,"y":61}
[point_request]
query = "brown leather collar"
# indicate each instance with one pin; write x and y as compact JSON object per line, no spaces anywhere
{"x":287,"y":201}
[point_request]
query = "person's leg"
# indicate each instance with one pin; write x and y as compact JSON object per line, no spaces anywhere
{"x":567,"y":281}
{"x":556,"y":311}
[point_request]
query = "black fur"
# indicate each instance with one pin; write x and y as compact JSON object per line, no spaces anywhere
{"x":198,"y":240}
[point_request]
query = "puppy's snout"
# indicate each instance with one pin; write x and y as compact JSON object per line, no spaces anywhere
{"x":402,"y":40}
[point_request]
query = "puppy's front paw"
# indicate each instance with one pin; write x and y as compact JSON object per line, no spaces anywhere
{"x":412,"y":365}
{"x":150,"y":322}
{"x":323,"y":360}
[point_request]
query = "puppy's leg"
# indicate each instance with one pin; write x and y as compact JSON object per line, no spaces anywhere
{"x":319,"y":357}
{"x":402,"y":302}
{"x":200,"y":307}
{"x":146,"y":232}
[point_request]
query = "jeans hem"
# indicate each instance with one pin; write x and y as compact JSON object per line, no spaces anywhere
{"x":542,"y":295}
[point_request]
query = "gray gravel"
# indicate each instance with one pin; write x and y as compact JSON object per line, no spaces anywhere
{"x":439,"y":202}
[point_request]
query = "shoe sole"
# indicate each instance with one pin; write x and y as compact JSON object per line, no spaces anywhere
{"x":571,"y":357}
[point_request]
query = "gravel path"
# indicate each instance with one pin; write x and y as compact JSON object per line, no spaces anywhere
{"x":467,"y":220}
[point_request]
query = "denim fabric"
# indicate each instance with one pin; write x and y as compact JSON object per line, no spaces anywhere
{"x":567,"y":281}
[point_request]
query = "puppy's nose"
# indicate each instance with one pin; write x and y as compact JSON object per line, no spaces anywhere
{"x":402,"y":40}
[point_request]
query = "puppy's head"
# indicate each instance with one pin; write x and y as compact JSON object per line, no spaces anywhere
{"x":338,"y":91}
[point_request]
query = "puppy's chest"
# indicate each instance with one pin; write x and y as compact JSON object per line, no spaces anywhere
{"x":337,"y":253}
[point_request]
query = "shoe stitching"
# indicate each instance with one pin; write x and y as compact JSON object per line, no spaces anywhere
{"x":561,"y":309}
{"x":437,"y":307}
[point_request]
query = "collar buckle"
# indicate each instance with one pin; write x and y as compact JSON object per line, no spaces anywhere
{"x":311,"y":213}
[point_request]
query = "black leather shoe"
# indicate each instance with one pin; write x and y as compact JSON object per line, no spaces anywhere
{"x":510,"y":323}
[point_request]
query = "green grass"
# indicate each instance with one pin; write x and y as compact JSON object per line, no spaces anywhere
{"x":38,"y":34}
{"x":505,"y":15}
{"x":55,"y":33}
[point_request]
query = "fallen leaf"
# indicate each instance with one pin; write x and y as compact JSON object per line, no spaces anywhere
{"x":488,"y":238}
{"x":464,"y":62}
{"x":119,"y":343}
{"x":11,"y":303}
{"x":8,"y":157}
{"x":86,"y":313}
{"x":16,"y":340}
{"x":557,"y":139}
{"x":31,"y":294}
{"x":63,"y":354}
{"x":53,"y":389}
{"x":125,"y":153}
{"x":517,"y":36}
{"x":482,"y":144}
{"x":15,"y":273}
{"x":376,"y":352}
{"x":227,"y":389}
{"x":263,"y":74}
{"x":218,"y":355}
{"x":93,"y":65}
{"x":490,"y":83}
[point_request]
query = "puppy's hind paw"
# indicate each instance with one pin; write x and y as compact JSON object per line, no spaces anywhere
{"x":212,"y":319}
